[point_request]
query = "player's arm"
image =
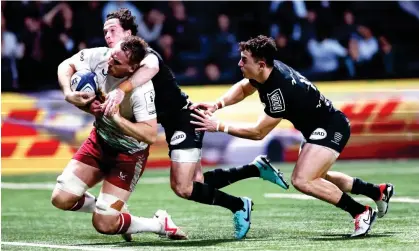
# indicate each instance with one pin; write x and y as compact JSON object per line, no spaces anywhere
{"x":144,"y":131}
{"x":258,"y":131}
{"x":149,"y":67}
{"x":234,"y":95}
{"x":144,"y":111}
{"x":65,"y":70}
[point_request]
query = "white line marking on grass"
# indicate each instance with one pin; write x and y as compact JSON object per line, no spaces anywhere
{"x":25,"y":244}
{"x":297,"y":196}
{"x":50,"y":186}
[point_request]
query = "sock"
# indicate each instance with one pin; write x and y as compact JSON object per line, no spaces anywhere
{"x":131,"y":224}
{"x":370,"y":190}
{"x":220,"y":178}
{"x":207,"y":194}
{"x":348,"y":204}
{"x":86,"y":204}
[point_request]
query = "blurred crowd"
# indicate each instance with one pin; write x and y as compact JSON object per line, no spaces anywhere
{"x":323,"y":40}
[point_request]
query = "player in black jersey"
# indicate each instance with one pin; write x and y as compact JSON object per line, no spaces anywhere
{"x":286,"y":94}
{"x":185,"y":144}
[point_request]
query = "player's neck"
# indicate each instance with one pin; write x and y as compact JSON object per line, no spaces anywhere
{"x":264,"y":75}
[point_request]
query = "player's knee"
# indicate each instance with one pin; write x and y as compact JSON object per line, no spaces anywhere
{"x":106,"y":215}
{"x":105,"y":224}
{"x":181,"y":189}
{"x":300,"y":183}
{"x":61,"y":201}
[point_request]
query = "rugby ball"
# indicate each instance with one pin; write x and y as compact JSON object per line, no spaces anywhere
{"x":84,"y":81}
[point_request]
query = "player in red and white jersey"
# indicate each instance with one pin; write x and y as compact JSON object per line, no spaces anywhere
{"x":117,"y":149}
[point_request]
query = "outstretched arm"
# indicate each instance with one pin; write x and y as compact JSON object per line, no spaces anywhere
{"x":234,"y":95}
{"x":209,"y":123}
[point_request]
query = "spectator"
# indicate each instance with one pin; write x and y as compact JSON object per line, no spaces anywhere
{"x":348,"y":29}
{"x":165,"y":48}
{"x":89,"y":26}
{"x":387,"y":55}
{"x":11,"y":50}
{"x":326,"y":53}
{"x":151,"y":27}
{"x":181,"y":27}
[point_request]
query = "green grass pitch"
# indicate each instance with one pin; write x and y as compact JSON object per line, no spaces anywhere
{"x":28,"y":218}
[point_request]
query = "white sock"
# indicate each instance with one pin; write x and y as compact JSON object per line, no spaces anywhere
{"x":140,"y":225}
{"x":86,"y":204}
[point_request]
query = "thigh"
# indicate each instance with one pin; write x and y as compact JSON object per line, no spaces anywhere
{"x":180,"y":133}
{"x":313,"y":162}
{"x":333,"y":135}
{"x":124,"y":170}
{"x":182,"y":172}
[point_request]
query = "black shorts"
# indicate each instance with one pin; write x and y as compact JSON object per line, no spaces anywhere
{"x":180,"y":133}
{"x":334,"y":134}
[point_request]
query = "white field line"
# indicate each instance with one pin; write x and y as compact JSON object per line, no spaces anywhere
{"x":296,"y":196}
{"x":50,"y":185}
{"x":25,"y":244}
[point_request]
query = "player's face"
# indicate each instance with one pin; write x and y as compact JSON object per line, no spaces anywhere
{"x":114,"y":32}
{"x":248,"y":65}
{"x":118,"y":63}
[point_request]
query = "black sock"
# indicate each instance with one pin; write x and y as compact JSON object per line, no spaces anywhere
{"x":350,"y":205}
{"x":370,"y":190}
{"x":220,"y":178}
{"x":207,"y":194}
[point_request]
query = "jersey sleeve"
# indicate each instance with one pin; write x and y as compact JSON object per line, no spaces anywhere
{"x":87,"y":59}
{"x":143,"y":102}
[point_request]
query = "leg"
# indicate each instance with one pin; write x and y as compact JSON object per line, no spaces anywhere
{"x":110,"y":216}
{"x":81,"y":173}
{"x":314,"y":161}
{"x":70,"y":193}
{"x":260,"y":167}
{"x":186,"y":174}
{"x":183,"y":175}
{"x":380,"y":193}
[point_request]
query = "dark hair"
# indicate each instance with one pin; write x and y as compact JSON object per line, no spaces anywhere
{"x":126,"y":19}
{"x":135,"y":48}
{"x":261,"y":47}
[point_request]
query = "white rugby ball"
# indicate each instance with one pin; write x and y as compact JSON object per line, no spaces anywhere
{"x":84,"y":81}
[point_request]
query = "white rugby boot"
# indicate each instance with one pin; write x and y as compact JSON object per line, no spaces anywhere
{"x":364,"y":221}
{"x":169,"y":228}
{"x":387,"y":191}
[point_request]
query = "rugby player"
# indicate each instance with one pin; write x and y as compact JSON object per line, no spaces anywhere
{"x":286,"y":94}
{"x":186,"y":178}
{"x":117,"y":148}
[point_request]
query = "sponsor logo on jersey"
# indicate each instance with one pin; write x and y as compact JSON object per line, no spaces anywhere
{"x":177,"y":138}
{"x":104,"y":73}
{"x":81,"y":56}
{"x":318,"y":134}
{"x":276,"y":101}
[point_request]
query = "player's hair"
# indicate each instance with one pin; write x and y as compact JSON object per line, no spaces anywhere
{"x":126,"y":19}
{"x":135,"y":48}
{"x":261,"y":47}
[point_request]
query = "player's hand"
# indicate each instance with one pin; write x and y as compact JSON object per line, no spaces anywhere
{"x":205,"y":122}
{"x":113,"y":99}
{"x":115,"y":116}
{"x":208,"y":109}
{"x":79,"y":98}
{"x":96,"y":109}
